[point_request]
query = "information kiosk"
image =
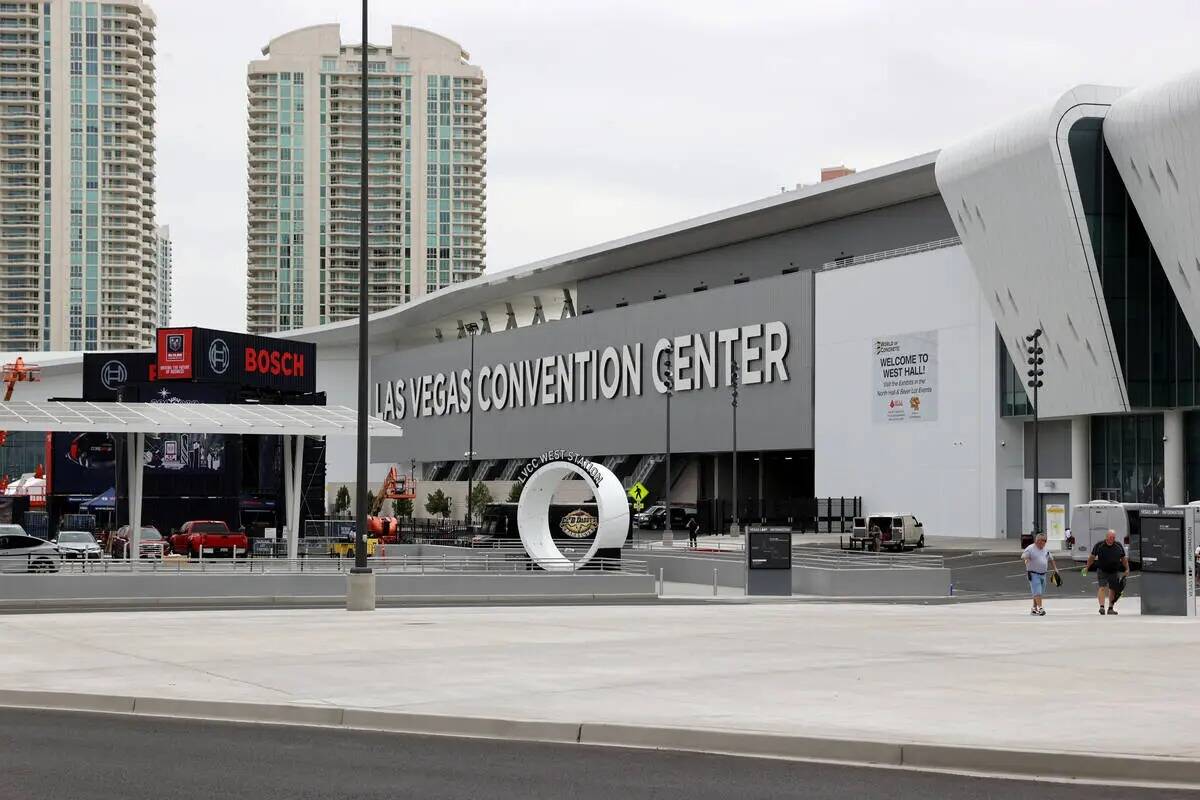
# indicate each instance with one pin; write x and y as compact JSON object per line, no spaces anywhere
{"x":769,"y":560}
{"x":1168,"y":582}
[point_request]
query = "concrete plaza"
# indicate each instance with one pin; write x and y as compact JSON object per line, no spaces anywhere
{"x":983,"y":674}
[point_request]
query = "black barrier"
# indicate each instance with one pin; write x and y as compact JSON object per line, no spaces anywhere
{"x":801,"y":514}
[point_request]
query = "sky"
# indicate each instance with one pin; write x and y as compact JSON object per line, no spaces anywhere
{"x":610,"y":117}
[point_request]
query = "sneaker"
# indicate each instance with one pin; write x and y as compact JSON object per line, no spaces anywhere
{"x":1041,"y":612}
{"x":1033,"y":612}
{"x":1102,"y":611}
{"x":1112,"y":612}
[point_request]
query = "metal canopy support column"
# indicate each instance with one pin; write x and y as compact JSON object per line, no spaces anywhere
{"x":134,"y":445}
{"x":293,"y":473}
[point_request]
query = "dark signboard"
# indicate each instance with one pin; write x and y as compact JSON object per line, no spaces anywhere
{"x":105,"y":375}
{"x":82,"y":464}
{"x":770,"y":550}
{"x":1162,"y":544}
{"x":260,"y":362}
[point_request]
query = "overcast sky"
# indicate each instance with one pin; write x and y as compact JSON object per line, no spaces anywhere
{"x":613,"y":116}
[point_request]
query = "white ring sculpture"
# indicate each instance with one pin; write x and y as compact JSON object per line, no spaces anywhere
{"x":533,"y":511}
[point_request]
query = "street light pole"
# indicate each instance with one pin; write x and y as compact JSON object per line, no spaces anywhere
{"x":1035,"y":373}
{"x":733,"y":390}
{"x":472,"y":329}
{"x":361,"y":594}
{"x":669,"y":383}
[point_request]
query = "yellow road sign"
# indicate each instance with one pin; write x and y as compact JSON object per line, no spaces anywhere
{"x":638,"y":492}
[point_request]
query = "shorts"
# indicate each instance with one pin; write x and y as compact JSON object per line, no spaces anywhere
{"x":1109,"y":580}
{"x":1037,"y":583}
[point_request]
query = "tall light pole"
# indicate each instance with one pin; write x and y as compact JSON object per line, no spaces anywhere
{"x":669,"y":383}
{"x":1035,"y":372}
{"x":472,"y":328}
{"x":361,"y":594}
{"x":733,"y":391}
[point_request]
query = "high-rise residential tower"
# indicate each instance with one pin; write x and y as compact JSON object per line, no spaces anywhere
{"x":77,"y":217}
{"x":427,"y":174}
{"x":164,"y":268}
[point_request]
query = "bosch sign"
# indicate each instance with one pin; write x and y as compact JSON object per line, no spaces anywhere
{"x":241,"y":359}
{"x":274,"y":362}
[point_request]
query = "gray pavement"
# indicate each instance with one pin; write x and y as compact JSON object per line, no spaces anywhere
{"x":962,"y":674}
{"x":97,"y":757}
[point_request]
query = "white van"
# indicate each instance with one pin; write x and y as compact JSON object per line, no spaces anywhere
{"x":1091,"y":522}
{"x":896,"y":531}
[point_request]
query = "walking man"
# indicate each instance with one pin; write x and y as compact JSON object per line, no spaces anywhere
{"x":693,"y":528}
{"x":1112,"y":566}
{"x":1038,"y":562}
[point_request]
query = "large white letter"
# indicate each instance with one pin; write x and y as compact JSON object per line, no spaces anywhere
{"x":751,"y":354}
{"x":726,"y":337}
{"x":706,"y":359}
{"x":631,"y":369}
{"x":683,"y":360}
{"x":776,"y":350}
{"x":609,"y":385}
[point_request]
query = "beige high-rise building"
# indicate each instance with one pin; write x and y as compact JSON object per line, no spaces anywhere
{"x":77,"y":227}
{"x":427,"y":175}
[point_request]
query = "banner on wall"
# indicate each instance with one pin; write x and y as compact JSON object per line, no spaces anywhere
{"x":1056,"y":522}
{"x":905,"y":371}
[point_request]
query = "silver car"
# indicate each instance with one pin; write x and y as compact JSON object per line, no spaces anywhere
{"x":77,"y":544}
{"x":20,"y":552}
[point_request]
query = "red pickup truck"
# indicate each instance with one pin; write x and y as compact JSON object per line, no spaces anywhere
{"x":207,"y":537}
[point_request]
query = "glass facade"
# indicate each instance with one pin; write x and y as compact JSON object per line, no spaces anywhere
{"x":1159,"y":357}
{"x":1127,"y":458}
{"x":1014,"y":401}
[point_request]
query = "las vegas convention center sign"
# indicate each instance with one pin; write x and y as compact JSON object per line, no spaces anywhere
{"x":699,"y":361}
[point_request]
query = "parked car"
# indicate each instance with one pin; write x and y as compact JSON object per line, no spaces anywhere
{"x":152,"y":544}
{"x":77,"y":544}
{"x":654,"y":518}
{"x":208,"y":537}
{"x":20,"y":552}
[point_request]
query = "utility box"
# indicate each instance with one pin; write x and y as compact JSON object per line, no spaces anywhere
{"x":1168,"y":563}
{"x":769,"y":560}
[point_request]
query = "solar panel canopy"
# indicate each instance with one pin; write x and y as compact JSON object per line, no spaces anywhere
{"x":277,"y":420}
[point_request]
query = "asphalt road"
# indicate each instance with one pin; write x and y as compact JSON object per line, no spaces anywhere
{"x":51,"y":754}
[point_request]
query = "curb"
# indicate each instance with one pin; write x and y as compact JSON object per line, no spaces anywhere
{"x":291,"y":601}
{"x":1108,"y":769}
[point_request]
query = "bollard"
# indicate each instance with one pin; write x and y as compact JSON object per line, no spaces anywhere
{"x":714,"y":581}
{"x":661,"y":584}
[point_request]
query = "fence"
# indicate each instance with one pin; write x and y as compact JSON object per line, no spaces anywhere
{"x":802,"y":514}
{"x":844,"y":559}
{"x":469,"y":563}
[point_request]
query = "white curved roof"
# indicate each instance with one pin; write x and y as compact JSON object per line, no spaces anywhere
{"x":1153,"y":134}
{"x":863,"y":191}
{"x":1012,"y":193}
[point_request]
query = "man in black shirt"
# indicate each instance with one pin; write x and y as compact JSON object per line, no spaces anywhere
{"x":1112,"y":566}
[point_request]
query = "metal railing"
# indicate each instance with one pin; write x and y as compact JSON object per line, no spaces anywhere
{"x":850,"y":261}
{"x":484,"y":563}
{"x":847,"y":559}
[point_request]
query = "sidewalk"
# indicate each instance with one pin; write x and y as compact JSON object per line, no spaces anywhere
{"x":954,"y":674}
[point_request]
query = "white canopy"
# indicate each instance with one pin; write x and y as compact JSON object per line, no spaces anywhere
{"x":138,"y":419}
{"x":249,"y":418}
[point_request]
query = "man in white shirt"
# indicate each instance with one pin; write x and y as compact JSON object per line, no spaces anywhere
{"x":1038,"y":562}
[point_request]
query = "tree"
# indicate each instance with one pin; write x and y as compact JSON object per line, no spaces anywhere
{"x":481,"y":497}
{"x":514,"y":493}
{"x":403,"y":508}
{"x":370,"y":500}
{"x":438,"y":504}
{"x":341,"y":503}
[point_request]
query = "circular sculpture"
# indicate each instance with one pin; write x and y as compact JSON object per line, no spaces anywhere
{"x":533,"y":509}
